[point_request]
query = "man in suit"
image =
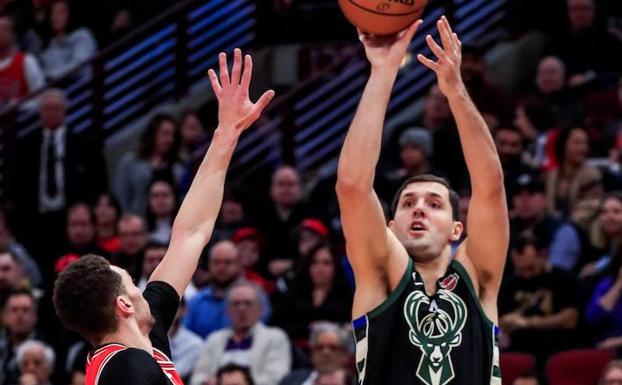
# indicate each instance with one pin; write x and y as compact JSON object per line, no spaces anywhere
{"x":54,"y":168}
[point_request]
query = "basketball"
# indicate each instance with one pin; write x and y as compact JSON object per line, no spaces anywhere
{"x":382,"y":17}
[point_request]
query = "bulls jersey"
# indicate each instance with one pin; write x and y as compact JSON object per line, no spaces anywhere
{"x":114,"y":364}
{"x":416,"y":339}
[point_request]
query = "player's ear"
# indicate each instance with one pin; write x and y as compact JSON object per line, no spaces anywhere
{"x":124,"y":306}
{"x":456,"y":231}
{"x":391,"y":222}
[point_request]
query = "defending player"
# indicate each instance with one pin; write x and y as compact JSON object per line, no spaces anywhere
{"x":99,"y":301}
{"x":422,"y":315}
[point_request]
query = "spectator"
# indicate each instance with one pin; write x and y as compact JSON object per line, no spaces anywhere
{"x":249,"y":343}
{"x":612,"y":374}
{"x":509,"y":143}
{"x":185,"y":345}
{"x":107,"y":213}
{"x":311,"y":234}
{"x":491,"y":100}
{"x":20,"y":75}
{"x":157,"y":158}
{"x":11,"y":275}
{"x":572,"y":249}
{"x":233,"y":374}
{"x":276,"y":220}
{"x":538,"y":307}
{"x":192,"y":135}
{"x":318,"y":292}
{"x":154,"y":254}
{"x":22,"y":12}
{"x":161,"y":210}
{"x":588,"y":50}
{"x":19,"y":316}
{"x":605,"y":307}
{"x":249,"y":244}
{"x":530,"y":212}
{"x":562,"y":184}
{"x":206,"y":310}
{"x":36,"y":363}
{"x":25,"y":262}
{"x":538,"y":122}
{"x":69,"y":47}
{"x":551,"y":85}
{"x":329,"y":346}
{"x":338,"y":377}
{"x":81,"y":231}
{"x":231,"y":217}
{"x":133,"y":236}
{"x":415,"y":154}
{"x":57,"y":169}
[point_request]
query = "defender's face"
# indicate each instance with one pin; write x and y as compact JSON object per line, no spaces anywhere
{"x":423,"y":220}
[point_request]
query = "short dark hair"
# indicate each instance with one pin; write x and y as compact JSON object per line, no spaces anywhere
{"x":19,"y":292}
{"x":454,"y":198}
{"x":232,"y":368}
{"x":85,"y":295}
{"x":528,"y":239}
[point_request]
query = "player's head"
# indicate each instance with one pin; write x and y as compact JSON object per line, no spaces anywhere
{"x":425,"y":216}
{"x":95,"y":299}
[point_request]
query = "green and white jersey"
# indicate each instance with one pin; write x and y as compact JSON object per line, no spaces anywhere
{"x":416,"y":339}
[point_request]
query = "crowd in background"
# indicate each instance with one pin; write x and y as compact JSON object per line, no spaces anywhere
{"x":270,"y":302}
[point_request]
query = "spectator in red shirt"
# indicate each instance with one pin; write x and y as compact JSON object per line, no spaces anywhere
{"x":20,"y":74}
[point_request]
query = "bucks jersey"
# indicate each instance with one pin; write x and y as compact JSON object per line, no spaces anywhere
{"x":416,"y":339}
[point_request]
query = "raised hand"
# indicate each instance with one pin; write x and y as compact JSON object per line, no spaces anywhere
{"x":447,"y":67}
{"x":384,"y":51}
{"x":235,"y":110}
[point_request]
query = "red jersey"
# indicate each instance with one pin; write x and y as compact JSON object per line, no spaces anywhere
{"x":13,"y":84}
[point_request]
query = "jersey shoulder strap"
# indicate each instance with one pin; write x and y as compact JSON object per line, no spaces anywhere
{"x":97,"y":360}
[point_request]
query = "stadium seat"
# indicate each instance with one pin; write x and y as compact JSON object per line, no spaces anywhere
{"x":580,"y":367}
{"x":515,"y":364}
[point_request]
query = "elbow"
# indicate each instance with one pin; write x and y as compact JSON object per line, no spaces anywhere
{"x":492,"y":186}
{"x":351,"y":186}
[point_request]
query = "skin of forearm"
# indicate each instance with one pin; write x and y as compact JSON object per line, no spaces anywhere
{"x":361,"y":149}
{"x":610,"y":299}
{"x":565,"y":319}
{"x":478,"y":146}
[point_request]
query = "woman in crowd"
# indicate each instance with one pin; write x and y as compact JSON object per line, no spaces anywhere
{"x":163,"y":205}
{"x":605,"y":308}
{"x":107,"y":213}
{"x":319,"y":292}
{"x":572,"y":148}
{"x":68,"y":47}
{"x":156,"y":158}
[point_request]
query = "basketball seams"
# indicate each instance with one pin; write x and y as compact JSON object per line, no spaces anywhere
{"x":385,"y":14}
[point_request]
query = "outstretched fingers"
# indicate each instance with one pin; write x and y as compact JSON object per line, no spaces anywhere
{"x":248,"y":72}
{"x":213,"y":78}
{"x":436,"y":49}
{"x":264,"y":100}
{"x":237,"y":67}
{"x":224,"y":70}
{"x":431,"y":64}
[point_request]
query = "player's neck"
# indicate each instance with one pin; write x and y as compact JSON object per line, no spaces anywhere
{"x":130,"y":335}
{"x":431,"y":269}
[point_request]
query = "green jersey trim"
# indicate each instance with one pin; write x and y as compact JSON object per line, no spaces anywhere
{"x":395,"y":294}
{"x":467,"y":278}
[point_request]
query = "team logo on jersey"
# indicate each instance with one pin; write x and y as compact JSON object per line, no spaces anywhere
{"x":435,"y":333}
{"x":450,"y":282}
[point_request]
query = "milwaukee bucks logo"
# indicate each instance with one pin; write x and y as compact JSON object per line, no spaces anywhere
{"x":436,"y":333}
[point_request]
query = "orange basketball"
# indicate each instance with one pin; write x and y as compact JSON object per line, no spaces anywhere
{"x":382,"y":17}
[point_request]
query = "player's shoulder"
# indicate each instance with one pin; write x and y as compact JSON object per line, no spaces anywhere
{"x":128,"y":366}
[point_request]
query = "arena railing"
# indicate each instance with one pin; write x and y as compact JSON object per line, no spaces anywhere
{"x":158,"y":62}
{"x":307,"y":126}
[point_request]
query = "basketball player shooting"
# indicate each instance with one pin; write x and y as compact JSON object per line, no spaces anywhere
{"x":99,"y":301}
{"x":422,"y":315}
